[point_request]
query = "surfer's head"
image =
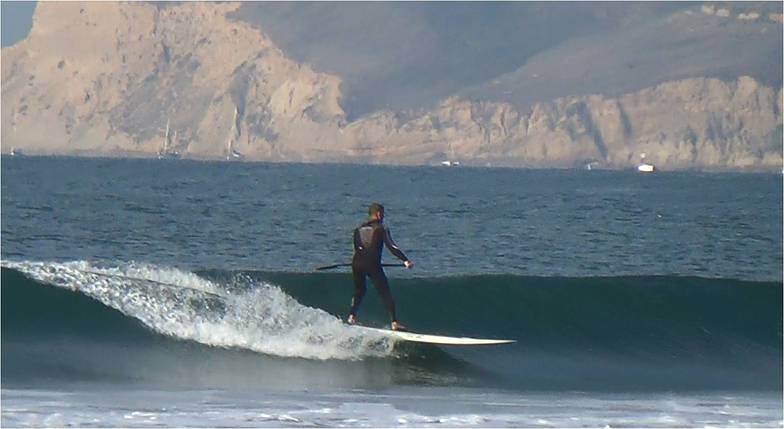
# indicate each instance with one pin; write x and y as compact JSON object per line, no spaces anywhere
{"x":376,"y":211}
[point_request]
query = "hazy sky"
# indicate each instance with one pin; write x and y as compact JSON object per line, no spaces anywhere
{"x":16,"y":20}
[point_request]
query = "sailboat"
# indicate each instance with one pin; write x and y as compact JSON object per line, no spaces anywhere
{"x":230,"y":152}
{"x":450,"y":162}
{"x":164,"y":152}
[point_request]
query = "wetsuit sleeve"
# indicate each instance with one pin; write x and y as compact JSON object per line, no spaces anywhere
{"x":357,"y":241}
{"x":393,"y":247}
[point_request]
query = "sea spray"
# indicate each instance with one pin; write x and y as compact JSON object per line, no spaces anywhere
{"x":258,"y":317}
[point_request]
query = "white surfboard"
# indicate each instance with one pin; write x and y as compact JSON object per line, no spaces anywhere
{"x":435,"y":339}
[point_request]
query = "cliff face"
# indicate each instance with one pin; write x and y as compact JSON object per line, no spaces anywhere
{"x":694,"y":123}
{"x":105,"y":79}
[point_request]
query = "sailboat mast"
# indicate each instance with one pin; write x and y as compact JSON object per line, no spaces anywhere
{"x":166,"y":138}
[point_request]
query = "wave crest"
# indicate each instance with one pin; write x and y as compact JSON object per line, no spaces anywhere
{"x":246,"y":314}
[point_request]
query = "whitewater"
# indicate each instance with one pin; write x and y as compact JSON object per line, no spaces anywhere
{"x":184,"y":306}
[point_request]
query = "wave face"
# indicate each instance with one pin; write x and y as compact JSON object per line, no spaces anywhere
{"x":136,"y":323}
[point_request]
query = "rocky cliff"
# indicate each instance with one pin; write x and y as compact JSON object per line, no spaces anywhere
{"x":109,"y":78}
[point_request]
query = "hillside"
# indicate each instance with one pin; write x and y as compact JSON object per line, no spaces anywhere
{"x":413,"y":54}
{"x":109,"y":78}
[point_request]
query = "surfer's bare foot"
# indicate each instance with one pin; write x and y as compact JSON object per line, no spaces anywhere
{"x":397,"y":326}
{"x":352,"y":319}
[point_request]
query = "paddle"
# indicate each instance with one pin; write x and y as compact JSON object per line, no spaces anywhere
{"x":329,"y":267}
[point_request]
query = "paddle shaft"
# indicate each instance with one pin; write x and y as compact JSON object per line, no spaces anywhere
{"x":329,"y":267}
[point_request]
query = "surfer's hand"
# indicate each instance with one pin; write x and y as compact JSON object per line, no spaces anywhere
{"x":409,"y":265}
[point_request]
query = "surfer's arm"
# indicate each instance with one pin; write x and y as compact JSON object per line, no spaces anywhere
{"x":357,"y":241}
{"x":393,"y":247}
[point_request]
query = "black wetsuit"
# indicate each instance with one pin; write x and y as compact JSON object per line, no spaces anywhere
{"x":369,"y":241}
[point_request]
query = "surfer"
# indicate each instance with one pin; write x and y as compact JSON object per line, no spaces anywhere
{"x":369,"y":241}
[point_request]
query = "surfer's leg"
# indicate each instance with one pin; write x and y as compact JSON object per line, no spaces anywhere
{"x":359,"y":292}
{"x":382,"y":285}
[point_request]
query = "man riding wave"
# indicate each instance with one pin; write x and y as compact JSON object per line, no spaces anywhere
{"x":369,"y":241}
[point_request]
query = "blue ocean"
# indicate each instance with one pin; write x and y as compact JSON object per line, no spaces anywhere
{"x":173,"y":293}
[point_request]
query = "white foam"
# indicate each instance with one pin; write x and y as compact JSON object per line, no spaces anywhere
{"x":410,"y":407}
{"x":253,"y":315}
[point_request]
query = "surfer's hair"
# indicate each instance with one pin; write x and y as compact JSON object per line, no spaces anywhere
{"x":375,"y":208}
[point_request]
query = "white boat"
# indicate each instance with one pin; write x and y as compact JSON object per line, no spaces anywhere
{"x":165,"y":153}
{"x":449,"y":155}
{"x":231,"y":153}
{"x":590,"y":165}
{"x":646,"y":168}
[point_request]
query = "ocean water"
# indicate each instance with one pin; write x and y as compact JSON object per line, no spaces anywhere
{"x":142,"y":293}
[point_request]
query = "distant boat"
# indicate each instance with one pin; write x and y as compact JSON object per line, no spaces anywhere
{"x":233,"y":154}
{"x":16,"y":152}
{"x":230,"y":152}
{"x":449,"y":155}
{"x":645,"y":167}
{"x":589,"y":165}
{"x":164,"y":152}
{"x":169,"y":155}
